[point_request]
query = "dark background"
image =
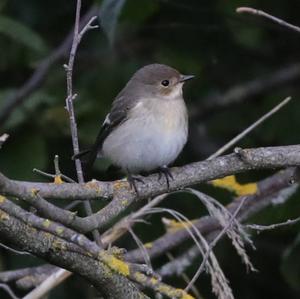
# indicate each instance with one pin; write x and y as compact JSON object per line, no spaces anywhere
{"x":204,"y":38}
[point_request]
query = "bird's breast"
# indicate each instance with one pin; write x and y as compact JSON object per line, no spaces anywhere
{"x":152,"y":136}
{"x":169,"y":116}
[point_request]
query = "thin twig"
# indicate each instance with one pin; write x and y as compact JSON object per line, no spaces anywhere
{"x":213,"y":244}
{"x":69,"y":104}
{"x":5,"y":287}
{"x":213,"y":266}
{"x":48,"y":284}
{"x":56,"y":165}
{"x":124,"y":224}
{"x":261,"y":13}
{"x":186,"y":278}
{"x":43,"y":173}
{"x":241,"y":135}
{"x":52,"y":176}
{"x":267,"y":189}
{"x":14,"y":250}
{"x":142,"y":247}
{"x":273,"y":226}
{"x":57,"y":174}
{"x":220,"y":285}
{"x":238,"y":93}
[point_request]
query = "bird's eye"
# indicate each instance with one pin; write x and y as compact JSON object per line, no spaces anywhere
{"x":165,"y":83}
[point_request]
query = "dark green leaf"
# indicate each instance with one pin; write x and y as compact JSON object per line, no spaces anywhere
{"x":22,"y":34}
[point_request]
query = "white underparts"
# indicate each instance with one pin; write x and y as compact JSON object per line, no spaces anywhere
{"x":152,"y":136}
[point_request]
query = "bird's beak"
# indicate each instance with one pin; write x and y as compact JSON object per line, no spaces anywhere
{"x":184,"y":78}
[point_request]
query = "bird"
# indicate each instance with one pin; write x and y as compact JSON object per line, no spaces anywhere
{"x":147,"y":126}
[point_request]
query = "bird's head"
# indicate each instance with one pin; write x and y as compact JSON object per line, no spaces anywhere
{"x":160,"y":80}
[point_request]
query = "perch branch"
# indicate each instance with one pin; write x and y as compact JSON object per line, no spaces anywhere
{"x":123,"y":196}
{"x":261,"y":13}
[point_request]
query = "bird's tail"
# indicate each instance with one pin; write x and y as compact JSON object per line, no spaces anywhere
{"x":81,"y":154}
{"x":87,"y":158}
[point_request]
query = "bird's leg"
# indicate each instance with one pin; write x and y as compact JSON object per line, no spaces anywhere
{"x":132,"y":182}
{"x":164,"y":170}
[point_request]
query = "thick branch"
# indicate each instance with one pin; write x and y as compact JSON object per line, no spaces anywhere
{"x":267,"y":190}
{"x":123,"y":196}
{"x":66,"y":240}
{"x":57,"y":251}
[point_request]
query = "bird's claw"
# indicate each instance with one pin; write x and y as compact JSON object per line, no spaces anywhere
{"x":164,"y":170}
{"x":132,"y":182}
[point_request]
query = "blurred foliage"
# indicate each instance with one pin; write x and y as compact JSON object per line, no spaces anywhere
{"x":109,"y":14}
{"x":206,"y":38}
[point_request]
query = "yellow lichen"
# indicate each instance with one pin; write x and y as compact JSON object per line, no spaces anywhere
{"x":153,"y":280}
{"x":46,"y":223}
{"x":124,"y":202}
{"x":59,"y":245}
{"x":117,"y":252}
{"x":231,"y":184}
{"x":141,"y":278}
{"x":59,"y":230}
{"x":93,"y":184}
{"x":3,"y":216}
{"x":114,"y":263}
{"x":2,"y":199}
{"x":173,"y":225}
{"x":46,"y":234}
{"x":58,"y":180}
{"x":148,"y":245}
{"x":186,"y":295}
{"x":161,"y":287}
{"x":34,"y":192}
{"x":32,"y":230}
{"x":120,"y":184}
{"x":173,"y":293}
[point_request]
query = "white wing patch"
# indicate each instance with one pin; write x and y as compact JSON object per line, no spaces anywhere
{"x":107,"y":120}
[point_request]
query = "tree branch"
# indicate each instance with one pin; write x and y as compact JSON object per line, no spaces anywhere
{"x":69,"y":103}
{"x":123,"y":196}
{"x":63,"y":240}
{"x":57,"y":251}
{"x":27,"y":278}
{"x":261,"y":13}
{"x":267,"y":190}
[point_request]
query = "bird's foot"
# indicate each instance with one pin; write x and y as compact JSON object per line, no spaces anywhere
{"x":164,"y":170}
{"x":132,"y":179}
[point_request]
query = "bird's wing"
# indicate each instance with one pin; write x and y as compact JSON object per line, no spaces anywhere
{"x":118,"y":114}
